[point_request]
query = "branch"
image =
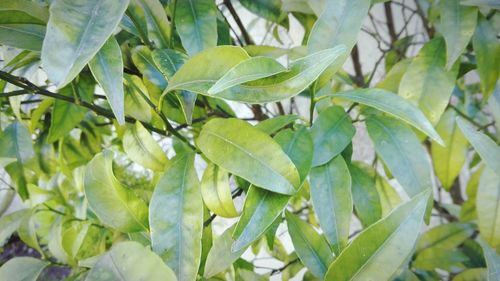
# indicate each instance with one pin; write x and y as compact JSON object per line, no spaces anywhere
{"x":238,"y":21}
{"x":390,"y":22}
{"x":358,"y":78}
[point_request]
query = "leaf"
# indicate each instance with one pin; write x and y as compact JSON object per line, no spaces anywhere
{"x":332,"y":201}
{"x":401,"y":151}
{"x":445,"y":237}
{"x":473,"y":274}
{"x":432,"y":258}
{"x":426,"y":83}
{"x":394,"y":105}
{"x":389,"y":197}
{"x":457,"y":26}
{"x":481,"y":3}
{"x":77,"y":30}
{"x":260,"y":210}
{"x":298,"y":146}
{"x":268,"y":9}
{"x":485,"y":147}
{"x":22,"y":36}
{"x":158,"y":26}
{"x":22,"y":269}
{"x":449,"y":159}
{"x":488,"y":207}
{"x":10,"y":223}
{"x":246,"y":71}
{"x":130,"y":261}
{"x":107,"y":68}
{"x":249,"y":153}
{"x":272,"y":125}
{"x":220,"y":256}
{"x":142,"y":148}
{"x":216,"y":62}
{"x":27,"y":231}
{"x":23,"y":12}
{"x":176,"y":234}
{"x":196,"y":23}
{"x":311,"y":247}
{"x":388,"y":242}
{"x":365,"y":194}
{"x":332,"y":131}
{"x":393,"y":76}
{"x":216,"y":192}
{"x":155,"y":82}
{"x":135,"y":104}
{"x":114,"y":204}
{"x":487,"y":52}
{"x":492,"y":261}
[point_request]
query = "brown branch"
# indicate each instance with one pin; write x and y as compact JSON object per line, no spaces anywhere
{"x":390,"y":22}
{"x":236,"y":17}
{"x":358,"y":79}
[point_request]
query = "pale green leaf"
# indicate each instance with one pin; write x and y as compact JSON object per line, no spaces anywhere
{"x":221,"y":257}
{"x":135,"y":103}
{"x":15,"y":143}
{"x":268,"y":9}
{"x":473,"y":274}
{"x":158,"y":26}
{"x":432,"y":258}
{"x":389,"y":197}
{"x":22,"y":269}
{"x":445,"y":236}
{"x":176,"y":234}
{"x":332,"y":201}
{"x":22,"y":36}
{"x":365,"y":194}
{"x":487,"y":52}
{"x":114,"y":204}
{"x":23,"y":12}
{"x":481,"y":3}
{"x":488,"y":207}
{"x":249,"y":153}
{"x":272,"y":125}
{"x":386,"y":245}
{"x":75,"y":33}
{"x":130,"y":261}
{"x":393,"y":76}
{"x":10,"y":223}
{"x":492,"y":261}
{"x":298,"y":146}
{"x":216,"y":192}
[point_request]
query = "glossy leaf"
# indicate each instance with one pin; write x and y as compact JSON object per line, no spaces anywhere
{"x":216,"y":192}
{"x":114,"y":204}
{"x":23,"y":12}
{"x":249,"y":153}
{"x":312,"y":248}
{"x":332,"y":201}
{"x":394,"y":105}
{"x":401,"y":151}
{"x":196,"y":24}
{"x":221,"y":257}
{"x":365,"y":194}
{"x":485,"y":147}
{"x":130,"y":261}
{"x":268,"y":9}
{"x":135,"y":104}
{"x":332,"y":131}
{"x":445,"y":237}
{"x":77,"y":30}
{"x":487,"y":55}
{"x":22,"y":36}
{"x":272,"y":125}
{"x":142,"y":148}
{"x":488,"y":207}
{"x":176,"y":234}
{"x":22,"y":269}
{"x":386,"y":245}
{"x":158,"y":26}
{"x":107,"y":68}
{"x":298,"y":146}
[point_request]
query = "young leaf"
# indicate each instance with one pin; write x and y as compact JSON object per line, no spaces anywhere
{"x":216,"y":192}
{"x":458,"y":23}
{"x":332,"y":201}
{"x":485,"y":147}
{"x":394,"y":105}
{"x":365,"y":194}
{"x":176,"y":234}
{"x":22,"y":269}
{"x":402,"y":152}
{"x":311,"y":247}
{"x":142,"y":148}
{"x":249,"y":153}
{"x":77,"y":30}
{"x":487,"y":52}
{"x":488,"y":207}
{"x":114,"y":204}
{"x":130,"y":261}
{"x":387,"y":243}
{"x":196,"y":23}
{"x":107,"y":68}
{"x":332,"y":131}
{"x":221,"y":257}
{"x":448,"y":160}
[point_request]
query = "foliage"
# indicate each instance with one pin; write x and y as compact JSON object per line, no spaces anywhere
{"x":129,"y":128}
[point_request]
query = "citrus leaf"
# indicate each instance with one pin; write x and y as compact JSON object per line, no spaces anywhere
{"x":487,"y":52}
{"x":22,"y":269}
{"x":221,"y":257}
{"x":365,"y":194}
{"x":216,"y":192}
{"x":488,"y":207}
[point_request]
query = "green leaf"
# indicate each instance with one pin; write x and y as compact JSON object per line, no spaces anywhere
{"x":402,"y":152}
{"x":142,"y":148}
{"x":27,"y":231}
{"x":449,"y":159}
{"x":298,"y":146}
{"x":135,"y":104}
{"x":130,"y":261}
{"x":272,"y":125}
{"x":445,"y":237}
{"x":332,"y":131}
{"x":249,"y":153}
{"x":481,"y":3}
{"x":260,"y":210}
{"x":393,"y":76}
{"x":492,"y":261}
{"x":176,"y":234}
{"x":23,"y":12}
{"x":107,"y":68}
{"x":22,"y":36}
{"x":432,"y":258}
{"x":487,"y":52}
{"x":22,"y":269}
{"x":312,"y":248}
{"x":77,"y":30}
{"x":365,"y":194}
{"x":488,"y":207}
{"x":196,"y":23}
{"x":155,"y":82}
{"x":202,"y":71}
{"x":158,"y":26}
{"x":10,"y":223}
{"x":268,"y":9}
{"x":389,"y":197}
{"x":246,"y":71}
{"x":394,"y":105}
{"x":426,"y":83}
{"x":332,"y":201}
{"x":388,"y":243}
{"x":474,"y":274}
{"x":114,"y":204}
{"x":216,"y":192}
{"x":221,"y":257}
{"x":485,"y":147}
{"x":457,"y":26}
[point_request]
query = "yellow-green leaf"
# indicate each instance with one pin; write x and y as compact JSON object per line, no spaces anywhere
{"x":216,"y":192}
